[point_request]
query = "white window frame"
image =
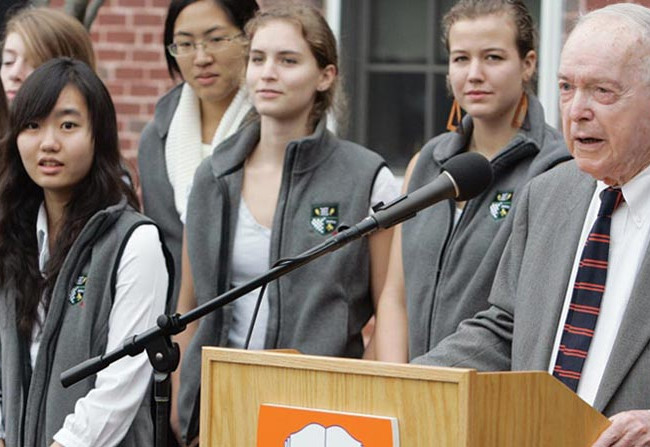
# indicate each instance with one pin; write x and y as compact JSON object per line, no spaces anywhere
{"x":333,"y":16}
{"x":550,"y":47}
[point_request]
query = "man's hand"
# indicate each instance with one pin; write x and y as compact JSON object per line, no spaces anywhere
{"x":54,"y":444}
{"x":629,"y":428}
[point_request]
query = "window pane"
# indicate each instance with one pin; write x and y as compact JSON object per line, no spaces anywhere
{"x":442,"y":99}
{"x":396,"y":117}
{"x":398,"y":31}
{"x":443,"y":6}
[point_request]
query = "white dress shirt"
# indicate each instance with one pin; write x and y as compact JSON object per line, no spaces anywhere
{"x":104,"y":415}
{"x":629,"y":239}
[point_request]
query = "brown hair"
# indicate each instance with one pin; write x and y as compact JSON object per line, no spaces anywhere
{"x":4,"y":118}
{"x":49,"y":33}
{"x":526,"y":32}
{"x":4,"y":111}
{"x":321,"y":42}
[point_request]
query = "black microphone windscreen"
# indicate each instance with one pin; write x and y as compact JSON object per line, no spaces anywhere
{"x":472,"y":173}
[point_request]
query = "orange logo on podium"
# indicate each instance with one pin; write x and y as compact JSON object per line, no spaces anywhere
{"x":283,"y":426}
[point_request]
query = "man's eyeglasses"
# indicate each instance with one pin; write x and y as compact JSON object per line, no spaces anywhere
{"x":210,"y":45}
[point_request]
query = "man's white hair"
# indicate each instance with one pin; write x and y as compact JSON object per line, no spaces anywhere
{"x":637,"y":16}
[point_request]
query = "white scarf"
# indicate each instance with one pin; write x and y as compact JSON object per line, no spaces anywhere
{"x":184,"y":148}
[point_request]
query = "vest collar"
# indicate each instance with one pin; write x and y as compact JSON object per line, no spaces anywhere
{"x":531,"y":131}
{"x":165,"y":109}
{"x":310,"y":151}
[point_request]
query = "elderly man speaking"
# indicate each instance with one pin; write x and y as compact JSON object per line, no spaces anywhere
{"x":572,"y":293}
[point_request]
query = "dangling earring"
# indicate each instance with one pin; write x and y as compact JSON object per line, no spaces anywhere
{"x":455,"y":119}
{"x":520,"y":113}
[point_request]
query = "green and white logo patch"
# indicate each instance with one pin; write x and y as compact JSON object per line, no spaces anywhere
{"x":77,"y":293}
{"x":500,"y":206}
{"x":325,"y":218}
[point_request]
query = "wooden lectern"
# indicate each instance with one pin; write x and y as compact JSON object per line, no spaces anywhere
{"x":435,"y":407}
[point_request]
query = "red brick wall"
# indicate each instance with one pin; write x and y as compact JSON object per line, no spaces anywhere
{"x":127,"y":36}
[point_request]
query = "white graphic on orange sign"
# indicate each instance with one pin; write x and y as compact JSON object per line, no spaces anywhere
{"x":285,"y":426}
{"x":315,"y":435}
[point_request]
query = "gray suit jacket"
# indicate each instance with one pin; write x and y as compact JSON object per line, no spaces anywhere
{"x":518,"y":330}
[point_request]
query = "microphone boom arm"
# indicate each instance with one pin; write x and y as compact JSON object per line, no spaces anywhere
{"x":168,"y":325}
{"x":469,"y":174}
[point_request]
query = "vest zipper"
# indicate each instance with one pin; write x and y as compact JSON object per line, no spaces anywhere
{"x":444,"y":254}
{"x":441,"y":257}
{"x":51,"y":343}
{"x":26,"y":368}
{"x":222,"y":262}
{"x":222,"y":287}
{"x":285,"y":187}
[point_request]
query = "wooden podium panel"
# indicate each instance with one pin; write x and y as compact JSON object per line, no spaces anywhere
{"x":435,"y":407}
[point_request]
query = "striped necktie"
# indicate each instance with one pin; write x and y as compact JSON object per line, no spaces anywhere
{"x":587,"y":294}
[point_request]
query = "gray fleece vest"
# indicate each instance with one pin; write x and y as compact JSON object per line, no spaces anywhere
{"x":319,"y":308}
{"x":448,"y":270}
{"x":75,"y":329}
{"x":157,"y":190}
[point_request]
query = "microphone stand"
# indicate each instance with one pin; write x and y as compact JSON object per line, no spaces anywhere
{"x":164,"y":355}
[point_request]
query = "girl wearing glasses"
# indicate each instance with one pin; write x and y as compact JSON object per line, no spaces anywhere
{"x":204,"y":46}
{"x":280,"y":186}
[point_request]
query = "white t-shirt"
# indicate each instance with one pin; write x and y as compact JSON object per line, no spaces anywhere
{"x":250,"y":259}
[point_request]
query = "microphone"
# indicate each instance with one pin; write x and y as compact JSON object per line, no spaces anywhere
{"x":464,"y":176}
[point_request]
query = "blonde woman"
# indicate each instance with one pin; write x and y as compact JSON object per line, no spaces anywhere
{"x":35,"y":35}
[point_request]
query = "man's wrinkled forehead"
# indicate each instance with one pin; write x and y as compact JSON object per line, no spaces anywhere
{"x":608,"y":43}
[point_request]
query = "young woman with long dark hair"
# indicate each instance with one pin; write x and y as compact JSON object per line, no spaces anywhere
{"x":80,"y":269}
